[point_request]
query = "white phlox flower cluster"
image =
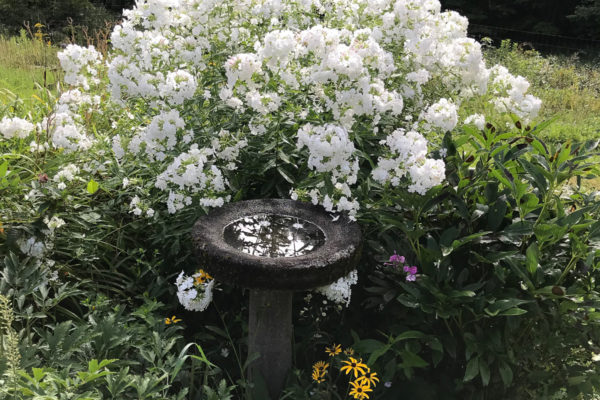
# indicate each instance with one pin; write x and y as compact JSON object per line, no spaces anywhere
{"x":193,"y":295}
{"x":190,"y":173}
{"x":340,"y":291}
{"x":66,"y":125}
{"x":159,"y":136}
{"x":54,"y":222}
{"x":80,"y":65}
{"x":442,"y":115}
{"x":476,"y":119}
{"x":331,"y":153}
{"x":15,"y":127}
{"x":510,"y":94}
{"x":408,"y":151}
{"x":346,"y":62}
{"x":66,"y":175}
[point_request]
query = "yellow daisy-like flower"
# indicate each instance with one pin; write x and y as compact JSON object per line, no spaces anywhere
{"x":334,"y":350}
{"x":321,"y":366}
{"x":318,"y":375}
{"x":172,"y":320}
{"x":355,"y":366}
{"x":201,"y":277}
{"x":349,"y":351}
{"x":368,"y":379}
{"x":359,"y":391}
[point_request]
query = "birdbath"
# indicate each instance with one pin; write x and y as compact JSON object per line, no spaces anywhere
{"x":274,"y":247}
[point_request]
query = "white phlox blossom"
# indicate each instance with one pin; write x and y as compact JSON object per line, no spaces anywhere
{"x":65,"y":175}
{"x":15,"y":127}
{"x":340,"y":291}
{"x":442,"y":115}
{"x":331,"y":152}
{"x":510,"y":94}
{"x":476,"y":119}
{"x":192,"y":172}
{"x":54,"y":222}
{"x":80,"y":65}
{"x":66,"y":125}
{"x":160,"y":135}
{"x":408,"y":157}
{"x":194,"y":296}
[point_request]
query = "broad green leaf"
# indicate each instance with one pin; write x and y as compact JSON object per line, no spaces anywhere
{"x":484,"y":371}
{"x":412,"y":360}
{"x":505,"y":373}
{"x":472,"y":369}
{"x":92,"y":186}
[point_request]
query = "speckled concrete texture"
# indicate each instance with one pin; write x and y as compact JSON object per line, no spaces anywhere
{"x":336,"y":258}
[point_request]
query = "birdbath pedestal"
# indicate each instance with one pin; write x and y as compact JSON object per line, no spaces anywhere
{"x":274,"y":247}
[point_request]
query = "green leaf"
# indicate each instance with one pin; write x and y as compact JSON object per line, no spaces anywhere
{"x":500,"y":307}
{"x":408,"y":335}
{"x":496,"y":213}
{"x":92,"y":186}
{"x":505,"y":373}
{"x":472,"y":369}
{"x":412,"y":360}
{"x":513,"y":312}
{"x":285,"y":175}
{"x":533,"y":258}
{"x":484,"y":371}
{"x":3,"y":169}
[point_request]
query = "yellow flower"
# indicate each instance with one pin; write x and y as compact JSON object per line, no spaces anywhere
{"x":172,"y":320}
{"x":359,"y":391}
{"x":349,"y":351}
{"x":39,"y":25}
{"x":334,"y":350}
{"x":354,"y":365}
{"x":318,"y":375}
{"x":321,"y":366}
{"x":201,"y":277}
{"x":368,"y":379}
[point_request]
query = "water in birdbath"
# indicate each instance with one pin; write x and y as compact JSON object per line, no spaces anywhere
{"x":272,"y":235}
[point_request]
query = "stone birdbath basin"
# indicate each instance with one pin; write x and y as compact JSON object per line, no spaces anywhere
{"x":274,"y":247}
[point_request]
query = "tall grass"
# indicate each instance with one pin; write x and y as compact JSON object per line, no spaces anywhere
{"x":26,"y":62}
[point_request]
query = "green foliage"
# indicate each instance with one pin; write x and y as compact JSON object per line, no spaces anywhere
{"x":508,"y":257}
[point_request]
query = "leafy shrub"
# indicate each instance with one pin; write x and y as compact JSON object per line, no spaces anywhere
{"x":509,"y":259}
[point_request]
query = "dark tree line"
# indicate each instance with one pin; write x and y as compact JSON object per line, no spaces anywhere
{"x":508,"y":18}
{"x":534,"y":20}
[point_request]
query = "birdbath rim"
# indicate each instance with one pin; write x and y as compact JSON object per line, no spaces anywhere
{"x":336,"y":257}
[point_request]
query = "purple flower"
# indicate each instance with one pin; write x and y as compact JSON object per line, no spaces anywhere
{"x":395,"y":259}
{"x":411,"y":270}
{"x":411,"y":278}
